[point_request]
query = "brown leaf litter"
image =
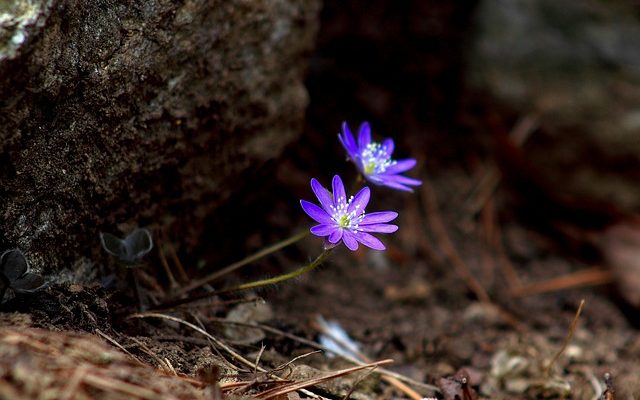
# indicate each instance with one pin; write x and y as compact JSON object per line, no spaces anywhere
{"x":42,"y":364}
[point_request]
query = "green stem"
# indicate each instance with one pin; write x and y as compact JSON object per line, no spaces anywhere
{"x":255,"y":284}
{"x":247,"y":260}
{"x":281,"y":278}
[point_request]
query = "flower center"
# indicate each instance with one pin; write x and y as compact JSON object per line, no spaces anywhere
{"x":345,"y":219}
{"x":376,"y":159}
{"x":369,"y":167}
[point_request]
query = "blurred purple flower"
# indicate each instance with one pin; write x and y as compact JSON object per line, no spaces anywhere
{"x":374,"y":161}
{"x":342,"y":219}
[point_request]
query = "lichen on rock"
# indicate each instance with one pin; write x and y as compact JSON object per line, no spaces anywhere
{"x":17,"y":19}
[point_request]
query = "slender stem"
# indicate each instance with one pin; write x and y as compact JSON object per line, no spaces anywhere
{"x":281,"y":278}
{"x":567,"y":339}
{"x":247,"y":260}
{"x":173,"y":283}
{"x":255,"y":284}
{"x":136,"y":287}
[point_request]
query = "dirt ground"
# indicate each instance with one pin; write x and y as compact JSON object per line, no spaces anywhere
{"x":467,"y":290}
{"x":412,"y":304}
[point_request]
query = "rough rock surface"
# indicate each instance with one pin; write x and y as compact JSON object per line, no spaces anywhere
{"x":577,"y":66}
{"x":139,"y":112}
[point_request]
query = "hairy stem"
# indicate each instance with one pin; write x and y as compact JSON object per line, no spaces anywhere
{"x":255,"y":284}
{"x":281,"y":278}
{"x":247,"y":260}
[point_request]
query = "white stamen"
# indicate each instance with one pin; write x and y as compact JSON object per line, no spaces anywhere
{"x":345,"y":219}
{"x":376,"y":159}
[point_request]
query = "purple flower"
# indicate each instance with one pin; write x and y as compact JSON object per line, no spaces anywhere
{"x":342,"y":219}
{"x":374,"y":161}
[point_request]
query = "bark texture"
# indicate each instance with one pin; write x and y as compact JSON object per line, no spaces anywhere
{"x":136,"y":111}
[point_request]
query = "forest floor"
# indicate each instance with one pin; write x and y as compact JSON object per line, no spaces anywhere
{"x":477,"y":285}
{"x":452,"y":297}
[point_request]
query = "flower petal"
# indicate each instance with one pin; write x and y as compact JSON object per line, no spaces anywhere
{"x":388,"y":145}
{"x":13,"y":264}
{"x":348,"y":142}
{"x":137,"y":244}
{"x":379,"y":228}
{"x":339,"y":195}
{"x":29,"y":282}
{"x":324,"y":229}
{"x":369,"y":241}
{"x":364,"y":136}
{"x":378,"y":217}
{"x":377,"y":179}
{"x":400,"y":166}
{"x":404,"y":180}
{"x":360,"y":165}
{"x":323,"y":195}
{"x":335,"y":236}
{"x":113,"y":245}
{"x":386,"y":180}
{"x":360,"y":201}
{"x":349,"y":240}
{"x":315,"y":212}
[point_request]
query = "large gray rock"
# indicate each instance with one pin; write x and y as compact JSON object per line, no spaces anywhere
{"x":576,"y":64}
{"x":134,"y":111}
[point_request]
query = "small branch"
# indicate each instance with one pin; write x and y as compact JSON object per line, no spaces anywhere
{"x":567,"y":339}
{"x":130,"y":390}
{"x":444,"y":241}
{"x":393,"y":381}
{"x":310,"y":343}
{"x":287,"y":388}
{"x":174,"y":257}
{"x":215,"y":340}
{"x":173,"y":283}
{"x":491,"y":179}
{"x":587,"y":277}
{"x":118,"y":345}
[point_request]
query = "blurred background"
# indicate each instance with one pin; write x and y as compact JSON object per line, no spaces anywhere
{"x":547,"y":94}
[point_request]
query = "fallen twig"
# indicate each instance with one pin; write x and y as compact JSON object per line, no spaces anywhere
{"x":118,"y":345}
{"x":184,"y":277}
{"x":587,"y":277}
{"x":161,"y":363}
{"x":389,"y":379}
{"x":215,"y":340}
{"x":287,"y":388}
{"x":173,"y":283}
{"x":567,"y":338}
{"x":310,"y":343}
{"x":488,"y":183}
{"x":447,"y":247}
